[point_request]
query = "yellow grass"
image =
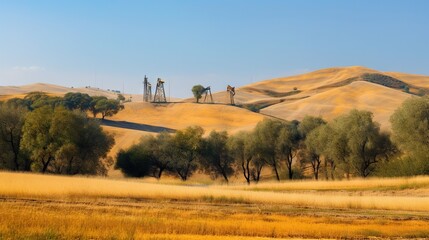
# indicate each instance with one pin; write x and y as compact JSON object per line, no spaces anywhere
{"x":350,"y":185}
{"x":380,"y":100}
{"x":33,"y":185}
{"x":37,"y":206}
{"x":181,"y":115}
{"x":130,"y":220}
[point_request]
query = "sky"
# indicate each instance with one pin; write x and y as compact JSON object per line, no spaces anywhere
{"x":114,"y":44}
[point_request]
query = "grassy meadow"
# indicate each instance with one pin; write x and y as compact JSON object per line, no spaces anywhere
{"x":56,"y":207}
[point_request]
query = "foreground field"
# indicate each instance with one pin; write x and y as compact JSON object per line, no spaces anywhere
{"x":51,"y":207}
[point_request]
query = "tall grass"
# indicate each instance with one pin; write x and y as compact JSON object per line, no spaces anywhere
{"x":23,"y":185}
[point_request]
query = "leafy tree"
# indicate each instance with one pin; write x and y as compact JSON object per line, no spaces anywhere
{"x":134,"y":162}
{"x":410,"y":126}
{"x":308,"y":124}
{"x":77,"y":100}
{"x":92,"y":105}
{"x":41,"y":99}
{"x":108,"y":107}
{"x":242,"y":148}
{"x":216,"y":159}
{"x":312,"y":149}
{"x":287,"y":144}
{"x":267,"y":134}
{"x":19,"y":102}
{"x":197,"y":90}
{"x":65,"y":142}
{"x":187,"y":145}
{"x":321,"y":142}
{"x":162,"y":150}
{"x":358,"y":143}
{"x":38,"y":140}
{"x":11,"y":122}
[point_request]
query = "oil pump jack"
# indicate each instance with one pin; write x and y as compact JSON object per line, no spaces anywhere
{"x":207,"y":91}
{"x":231,"y":91}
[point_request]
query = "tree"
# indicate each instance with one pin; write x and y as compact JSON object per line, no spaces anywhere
{"x":95,"y":111}
{"x":308,"y":124}
{"x":38,"y":140}
{"x":216,"y":159}
{"x":410,"y":127}
{"x":162,"y":150}
{"x":41,"y":99}
{"x":312,"y":148}
{"x":358,"y":142}
{"x":76,"y":100}
{"x":120,"y":98}
{"x":197,"y":90}
{"x":134,"y":162}
{"x":108,"y":107}
{"x":65,"y":142}
{"x":187,"y":146}
{"x":287,"y":144}
{"x":11,"y":122}
{"x":242,"y":148}
{"x":19,"y":102}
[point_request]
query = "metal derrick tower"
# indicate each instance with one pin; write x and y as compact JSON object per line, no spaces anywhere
{"x":159,"y":96}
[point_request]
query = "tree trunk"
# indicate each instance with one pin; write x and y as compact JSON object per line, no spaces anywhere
{"x":15,"y":153}
{"x":46,"y":164}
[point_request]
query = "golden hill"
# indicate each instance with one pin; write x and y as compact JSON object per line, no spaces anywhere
{"x":181,"y":115}
{"x":380,"y":100}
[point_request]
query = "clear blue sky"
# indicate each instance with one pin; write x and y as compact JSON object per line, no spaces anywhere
{"x":108,"y":43}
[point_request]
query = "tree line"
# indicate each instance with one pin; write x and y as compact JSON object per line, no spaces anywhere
{"x":43,"y":133}
{"x":349,"y":145}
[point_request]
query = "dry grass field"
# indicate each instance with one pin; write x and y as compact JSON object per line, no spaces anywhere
{"x":56,"y":207}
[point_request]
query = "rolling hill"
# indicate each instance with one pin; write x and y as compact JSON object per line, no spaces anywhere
{"x":326,"y":93}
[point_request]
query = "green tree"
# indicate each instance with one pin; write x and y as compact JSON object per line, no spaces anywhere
{"x":108,"y":107}
{"x":162,"y":150}
{"x":308,"y":124}
{"x":65,"y":142}
{"x":92,"y":105}
{"x":76,"y":100}
{"x":358,"y":143}
{"x":11,"y":122}
{"x":410,"y":127}
{"x":38,"y":140}
{"x":312,"y":149}
{"x":266,"y":134}
{"x":242,"y":147}
{"x":288,"y":144}
{"x":134,"y":162}
{"x":216,"y":159}
{"x":19,"y":102}
{"x":197,"y":90}
{"x":187,"y":145}
{"x":41,"y":99}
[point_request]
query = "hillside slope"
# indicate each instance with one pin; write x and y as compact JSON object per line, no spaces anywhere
{"x":181,"y":115}
{"x":380,"y":100}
